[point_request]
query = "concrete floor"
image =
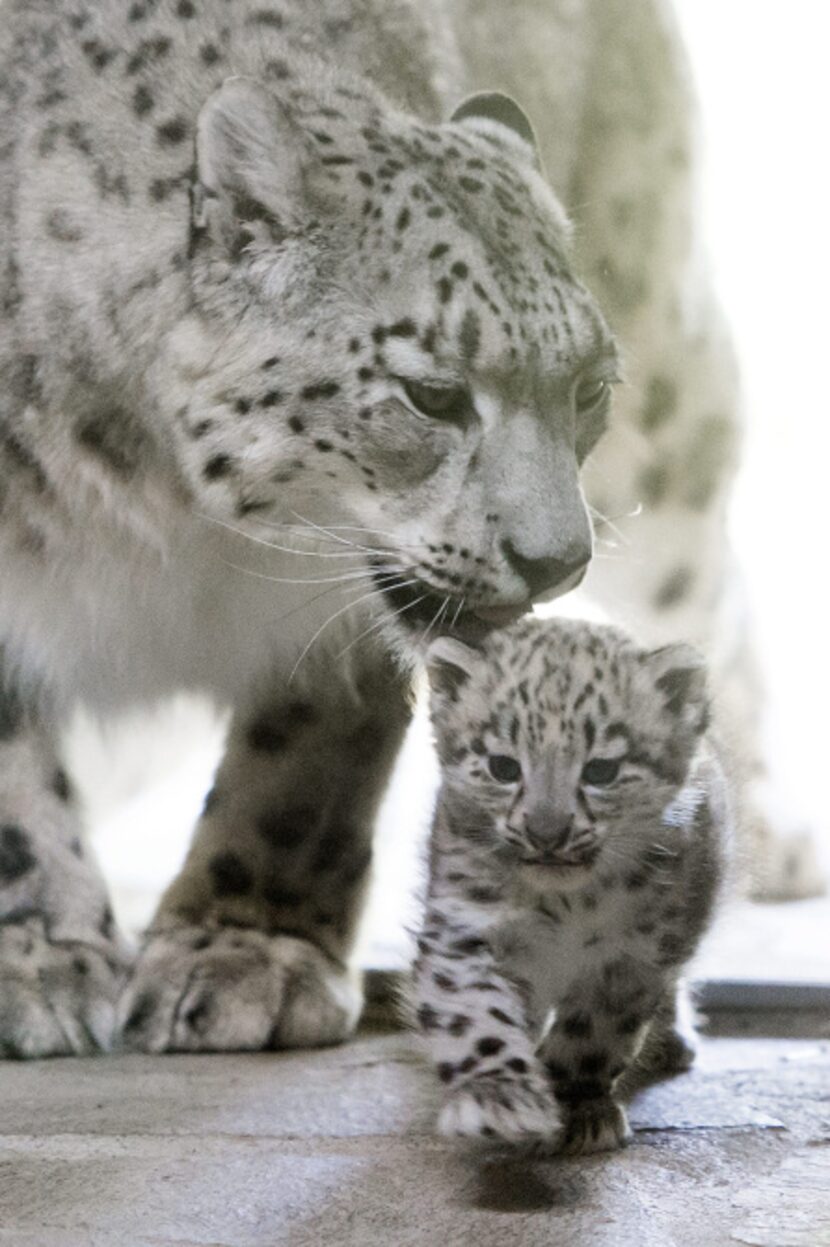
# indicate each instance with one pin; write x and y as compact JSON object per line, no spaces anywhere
{"x":335,"y":1147}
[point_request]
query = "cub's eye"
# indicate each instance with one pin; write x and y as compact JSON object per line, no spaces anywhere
{"x":506,"y":770}
{"x":601,"y":771}
{"x":439,"y":402}
{"x":589,"y":393}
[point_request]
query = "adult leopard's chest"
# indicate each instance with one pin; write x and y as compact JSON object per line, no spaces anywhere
{"x":127,"y":623}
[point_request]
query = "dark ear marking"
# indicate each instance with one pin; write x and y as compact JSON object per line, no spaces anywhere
{"x":679,"y":674}
{"x":496,"y":108}
{"x":449,"y":663}
{"x":677,"y":685}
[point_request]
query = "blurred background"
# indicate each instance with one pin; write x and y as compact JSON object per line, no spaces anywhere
{"x":762,"y":82}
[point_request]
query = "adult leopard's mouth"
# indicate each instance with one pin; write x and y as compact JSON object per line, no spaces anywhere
{"x":418,"y":608}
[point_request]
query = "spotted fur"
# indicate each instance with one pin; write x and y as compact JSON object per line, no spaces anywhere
{"x":243,"y":249}
{"x":579,"y":842}
{"x":295,"y":372}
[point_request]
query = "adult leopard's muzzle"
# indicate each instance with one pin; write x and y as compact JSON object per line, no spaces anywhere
{"x":551,"y":576}
{"x":418,"y":608}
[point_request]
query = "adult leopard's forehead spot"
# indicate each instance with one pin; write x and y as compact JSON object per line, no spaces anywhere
{"x":513,"y":257}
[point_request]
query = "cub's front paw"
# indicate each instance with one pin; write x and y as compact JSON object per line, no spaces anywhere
{"x":57,"y":998}
{"x":232,"y":989}
{"x":594,"y":1126}
{"x":495,"y":1107}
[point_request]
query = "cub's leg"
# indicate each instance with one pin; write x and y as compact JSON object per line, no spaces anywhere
{"x":250,"y":944}
{"x":668,"y":1047}
{"x":599,"y":1027}
{"x":474,"y":1021}
{"x":61,"y":963}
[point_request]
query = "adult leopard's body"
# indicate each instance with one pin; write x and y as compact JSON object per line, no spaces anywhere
{"x":250,"y":278}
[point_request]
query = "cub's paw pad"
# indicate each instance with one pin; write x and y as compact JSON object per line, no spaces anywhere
{"x":57,"y":998}
{"x":234,"y":989}
{"x":594,"y":1126}
{"x":493,"y":1108}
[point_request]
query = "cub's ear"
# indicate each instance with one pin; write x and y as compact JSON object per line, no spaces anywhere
{"x":250,"y":156}
{"x":450,"y":664}
{"x":678,"y":673}
{"x":491,"y":112}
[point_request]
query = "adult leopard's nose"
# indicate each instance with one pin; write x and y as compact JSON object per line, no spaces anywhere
{"x":550,"y":576}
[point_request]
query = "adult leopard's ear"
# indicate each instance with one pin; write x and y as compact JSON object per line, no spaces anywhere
{"x":678,"y":673}
{"x":250,"y":159}
{"x":450,"y":664}
{"x":492,"y":112}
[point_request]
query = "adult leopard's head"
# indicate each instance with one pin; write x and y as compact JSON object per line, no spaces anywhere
{"x":387,"y":333}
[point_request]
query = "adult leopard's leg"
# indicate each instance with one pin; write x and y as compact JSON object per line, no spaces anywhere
{"x":249,"y":948}
{"x":61,"y":962}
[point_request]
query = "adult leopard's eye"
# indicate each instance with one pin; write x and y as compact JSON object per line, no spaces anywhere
{"x":439,"y":402}
{"x":601,"y":771}
{"x":505,"y":769}
{"x":589,"y":393}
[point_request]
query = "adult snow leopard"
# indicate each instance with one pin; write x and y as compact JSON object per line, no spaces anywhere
{"x":291,"y":352}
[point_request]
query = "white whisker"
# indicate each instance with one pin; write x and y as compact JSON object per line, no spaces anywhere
{"x":636,"y":511}
{"x":435,"y":619}
{"x":459,"y":608}
{"x":321,"y":536}
{"x":360,"y":573}
{"x":372,"y":592}
{"x":317,"y":597}
{"x":332,"y":529}
{"x":334,"y":536}
{"x":378,"y":624}
{"x":273,"y":545}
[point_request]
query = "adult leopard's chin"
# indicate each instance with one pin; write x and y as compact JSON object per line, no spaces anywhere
{"x":419,"y":613}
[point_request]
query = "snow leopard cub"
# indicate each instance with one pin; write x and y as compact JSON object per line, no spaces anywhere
{"x":578,"y":843}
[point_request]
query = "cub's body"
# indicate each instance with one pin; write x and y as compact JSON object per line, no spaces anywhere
{"x":580,"y":840}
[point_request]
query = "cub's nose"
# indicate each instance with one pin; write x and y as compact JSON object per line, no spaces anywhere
{"x":545,"y":574}
{"x":547,"y":833}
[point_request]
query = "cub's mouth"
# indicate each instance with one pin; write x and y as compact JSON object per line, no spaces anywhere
{"x":564,"y":861}
{"x":419,"y":609}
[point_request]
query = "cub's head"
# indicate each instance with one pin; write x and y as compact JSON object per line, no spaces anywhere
{"x":561,"y":743}
{"x":386,"y":333}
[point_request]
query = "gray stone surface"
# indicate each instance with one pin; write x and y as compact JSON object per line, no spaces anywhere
{"x":335,"y":1147}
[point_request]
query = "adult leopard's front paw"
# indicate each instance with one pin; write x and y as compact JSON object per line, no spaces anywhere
{"x":594,"y":1126}
{"x":57,"y":998}
{"x":493,"y":1107}
{"x":232,"y":989}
